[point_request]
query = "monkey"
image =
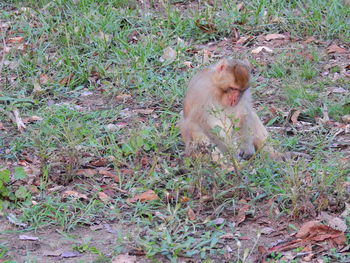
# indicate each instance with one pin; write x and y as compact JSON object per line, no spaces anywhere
{"x":217,"y":109}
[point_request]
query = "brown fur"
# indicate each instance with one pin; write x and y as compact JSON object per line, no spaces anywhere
{"x":219,"y":96}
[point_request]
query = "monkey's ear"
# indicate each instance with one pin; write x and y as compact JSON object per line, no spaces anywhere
{"x":221,"y":65}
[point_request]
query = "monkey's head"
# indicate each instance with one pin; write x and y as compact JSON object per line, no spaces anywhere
{"x":231,"y":79}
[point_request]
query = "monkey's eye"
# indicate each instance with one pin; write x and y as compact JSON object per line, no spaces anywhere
{"x":232,"y":89}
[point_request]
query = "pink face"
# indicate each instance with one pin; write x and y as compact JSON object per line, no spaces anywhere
{"x":231,"y":97}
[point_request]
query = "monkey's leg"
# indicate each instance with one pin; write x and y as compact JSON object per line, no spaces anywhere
{"x":195,"y":140}
{"x":259,"y":132}
{"x":246,"y":137}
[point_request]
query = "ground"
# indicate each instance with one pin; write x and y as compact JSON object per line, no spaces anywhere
{"x":92,"y":167}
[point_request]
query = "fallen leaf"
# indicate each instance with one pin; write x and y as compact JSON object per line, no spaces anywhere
{"x":99,"y":162}
{"x":206,"y":27}
{"x":108,"y":173}
{"x":269,"y":37}
{"x":184,"y":199}
{"x":15,"y":40}
{"x":29,"y":238}
{"x":124,"y":258}
{"x":206,"y":56}
{"x":143,"y":111}
{"x":228,"y":236}
{"x":169,"y":55}
{"x":111,"y":127}
{"x":188,"y":64}
{"x":305,"y":229}
{"x":109,"y":229}
{"x":96,"y":227}
{"x":309,"y":40}
{"x":242,"y":40}
{"x":241,"y":214}
{"x":149,"y":195}
{"x":294,"y":117}
{"x":335,"y":49}
{"x":65,"y":81}
{"x":73,"y":194}
{"x":70,"y":254}
{"x":346,"y":118}
{"x":260,"y":49}
{"x":37,"y":88}
{"x":44,"y":79}
{"x":309,"y":257}
{"x":334,"y":222}
{"x":105,"y":37}
{"x":267,"y":230}
{"x":86,"y":172}
{"x":123,"y":97}
{"x":190,"y":214}
{"x":32,"y":119}
{"x":14,"y":220}
{"x":103,"y":197}
{"x":54,"y":253}
{"x":240,"y":6}
{"x":219,"y":221}
{"x":336,"y":90}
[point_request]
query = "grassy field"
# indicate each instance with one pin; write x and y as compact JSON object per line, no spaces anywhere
{"x":99,"y":85}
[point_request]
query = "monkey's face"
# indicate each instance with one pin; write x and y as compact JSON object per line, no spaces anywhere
{"x":232,"y":81}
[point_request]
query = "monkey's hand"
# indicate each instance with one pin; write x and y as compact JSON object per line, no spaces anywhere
{"x":246,"y":152}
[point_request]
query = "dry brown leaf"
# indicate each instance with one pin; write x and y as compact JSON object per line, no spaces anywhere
{"x":2,"y":127}
{"x":188,"y":64}
{"x":110,"y":174}
{"x":346,"y":118}
{"x":240,"y":6}
{"x":124,"y":258}
{"x":99,"y":162}
{"x":294,"y":117}
{"x":123,"y":97}
{"x":73,"y":194}
{"x":206,"y":56}
{"x":149,"y":195}
{"x":228,"y":236}
{"x":87,"y":172}
{"x":169,"y":55}
{"x":32,"y":119}
{"x":105,"y":37}
{"x":338,"y":90}
{"x":335,"y":49}
{"x":184,"y":199}
{"x":334,"y":222}
{"x":242,"y":40}
{"x":103,"y":197}
{"x":260,"y":49}
{"x":44,"y":79}
{"x":143,"y":111}
{"x":37,"y":88}
{"x":15,"y":40}
{"x":65,"y":81}
{"x":241,"y":214}
{"x":310,"y":39}
{"x":190,"y":214}
{"x":305,"y":229}
{"x":206,"y":27}
{"x":269,"y":37}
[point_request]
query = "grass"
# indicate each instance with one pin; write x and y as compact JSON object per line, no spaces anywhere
{"x":110,"y":48}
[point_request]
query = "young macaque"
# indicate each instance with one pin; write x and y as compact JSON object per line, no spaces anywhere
{"x":217,"y":110}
